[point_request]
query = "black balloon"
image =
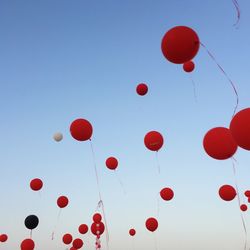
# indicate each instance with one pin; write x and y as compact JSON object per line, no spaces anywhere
{"x":31,"y":221}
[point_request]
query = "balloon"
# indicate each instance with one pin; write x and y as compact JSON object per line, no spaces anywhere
{"x":227,"y":192}
{"x":77,"y":243}
{"x":167,"y":194}
{"x":248,"y":199}
{"x":67,"y":239}
{"x":83,"y":229}
{"x":180,"y":44}
{"x":151,"y":224}
{"x":188,"y":66}
{"x":3,"y":238}
{"x":142,"y":89}
{"x":97,"y":217}
{"x":58,"y":136}
{"x":97,"y":228}
{"x":153,"y":140}
{"x":36,"y":184}
{"x":112,"y":163}
{"x":62,"y":201}
{"x":132,"y":232}
{"x":27,"y":244}
{"x":247,"y":193}
{"x":31,"y":221}
{"x":243,"y":207}
{"x":81,"y":130}
{"x":219,"y":143}
{"x":240,"y":127}
{"x":72,"y":248}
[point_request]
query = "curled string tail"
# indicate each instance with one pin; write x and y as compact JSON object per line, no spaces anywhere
{"x":121,"y":183}
{"x":237,"y":7}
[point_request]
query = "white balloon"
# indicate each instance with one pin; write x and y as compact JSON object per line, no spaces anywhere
{"x":58,"y":136}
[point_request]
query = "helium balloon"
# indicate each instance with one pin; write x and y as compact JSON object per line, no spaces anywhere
{"x":180,"y":44}
{"x":112,"y":163}
{"x":142,"y":89}
{"x":58,"y":136}
{"x":97,"y":217}
{"x":240,"y":127}
{"x":219,"y":143}
{"x":247,"y":193}
{"x":77,"y":243}
{"x":248,"y":199}
{"x":132,"y":232}
{"x":67,"y":239}
{"x":188,"y":66}
{"x":3,"y":238}
{"x":153,"y":140}
{"x":31,"y":222}
{"x":36,"y":184}
{"x":62,"y":201}
{"x":151,"y":224}
{"x":227,"y":192}
{"x":167,"y":194}
{"x":81,"y":130}
{"x":243,"y":207}
{"x":27,"y":244}
{"x":72,"y":248}
{"x":97,"y":228}
{"x":83,"y":229}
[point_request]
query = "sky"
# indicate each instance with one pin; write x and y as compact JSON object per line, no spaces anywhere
{"x":61,"y":60}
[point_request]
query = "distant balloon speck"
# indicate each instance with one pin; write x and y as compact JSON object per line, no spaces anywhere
{"x":58,"y":136}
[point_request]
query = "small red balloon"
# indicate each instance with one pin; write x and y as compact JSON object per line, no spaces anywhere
{"x":97,"y":217}
{"x":27,"y":244}
{"x":219,"y":143}
{"x":81,"y":129}
{"x":36,"y":184}
{"x":153,"y":140}
{"x":167,"y":194}
{"x":151,"y":224}
{"x":243,"y":207}
{"x":142,"y":89}
{"x":227,"y":192}
{"x":77,"y":243}
{"x":112,"y":163}
{"x":247,"y":193}
{"x":67,"y":239}
{"x":188,"y":66}
{"x":248,"y":199}
{"x":83,"y":229}
{"x":97,"y":228}
{"x":132,"y":232}
{"x":62,"y":201}
{"x":3,"y":237}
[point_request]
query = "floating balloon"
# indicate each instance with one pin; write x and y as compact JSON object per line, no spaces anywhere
{"x":243,"y":207}
{"x":83,"y":229}
{"x":180,"y":44}
{"x":97,"y":228}
{"x":219,"y":143}
{"x":227,"y":192}
{"x":142,"y":89}
{"x":97,"y":217}
{"x":81,"y":130}
{"x":62,"y":201}
{"x":77,"y":243}
{"x":240,"y":127}
{"x":67,"y":238}
{"x":112,"y":163}
{"x":3,"y":237}
{"x":188,"y":66}
{"x":27,"y":244}
{"x":31,"y":222}
{"x":153,"y":140}
{"x":167,"y":194}
{"x":58,"y":136}
{"x":247,"y":193}
{"x":151,"y":224}
{"x":132,"y":232}
{"x":36,"y":184}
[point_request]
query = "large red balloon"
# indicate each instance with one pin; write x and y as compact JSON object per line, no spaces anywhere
{"x":36,"y":184}
{"x":77,"y":243}
{"x":151,"y":224}
{"x":67,"y":239}
{"x":167,"y":194}
{"x":27,"y":244}
{"x":97,"y":217}
{"x":83,"y":229}
{"x":132,"y":232}
{"x":180,"y":44}
{"x":97,"y":228}
{"x":62,"y":201}
{"x":112,"y":163}
{"x":240,"y":128}
{"x":227,"y":192}
{"x":188,"y":66}
{"x":3,"y":237}
{"x":219,"y":143}
{"x":81,"y":129}
{"x":153,"y":140}
{"x":142,"y":89}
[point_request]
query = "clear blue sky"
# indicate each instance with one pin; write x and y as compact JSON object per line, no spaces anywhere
{"x":61,"y":60}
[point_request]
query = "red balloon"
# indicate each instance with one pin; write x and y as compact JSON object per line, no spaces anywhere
{"x":132,"y":232}
{"x":97,"y":217}
{"x":248,"y":199}
{"x":188,"y":66}
{"x":227,"y":192}
{"x":27,"y":244}
{"x":167,"y":194}
{"x":219,"y":143}
{"x":72,"y":248}
{"x":67,"y":239}
{"x":36,"y":184}
{"x":247,"y":193}
{"x":151,"y":224}
{"x":81,"y":130}
{"x":180,"y":44}
{"x":77,"y":243}
{"x":142,"y":89}
{"x":97,"y":228}
{"x":112,"y":163}
{"x":243,"y":207}
{"x":240,"y":127}
{"x":83,"y":229}
{"x":62,"y":201}
{"x":3,"y":238}
{"x":153,"y":140}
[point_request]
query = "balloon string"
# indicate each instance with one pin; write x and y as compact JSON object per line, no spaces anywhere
{"x":158,"y":163}
{"x":57,"y":221}
{"x":31,"y":233}
{"x":120,"y":182}
{"x":155,"y":241}
{"x":237,"y":7}
{"x":194,"y":89}
{"x":133,"y":243}
{"x":225,"y":74}
{"x":158,"y":206}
